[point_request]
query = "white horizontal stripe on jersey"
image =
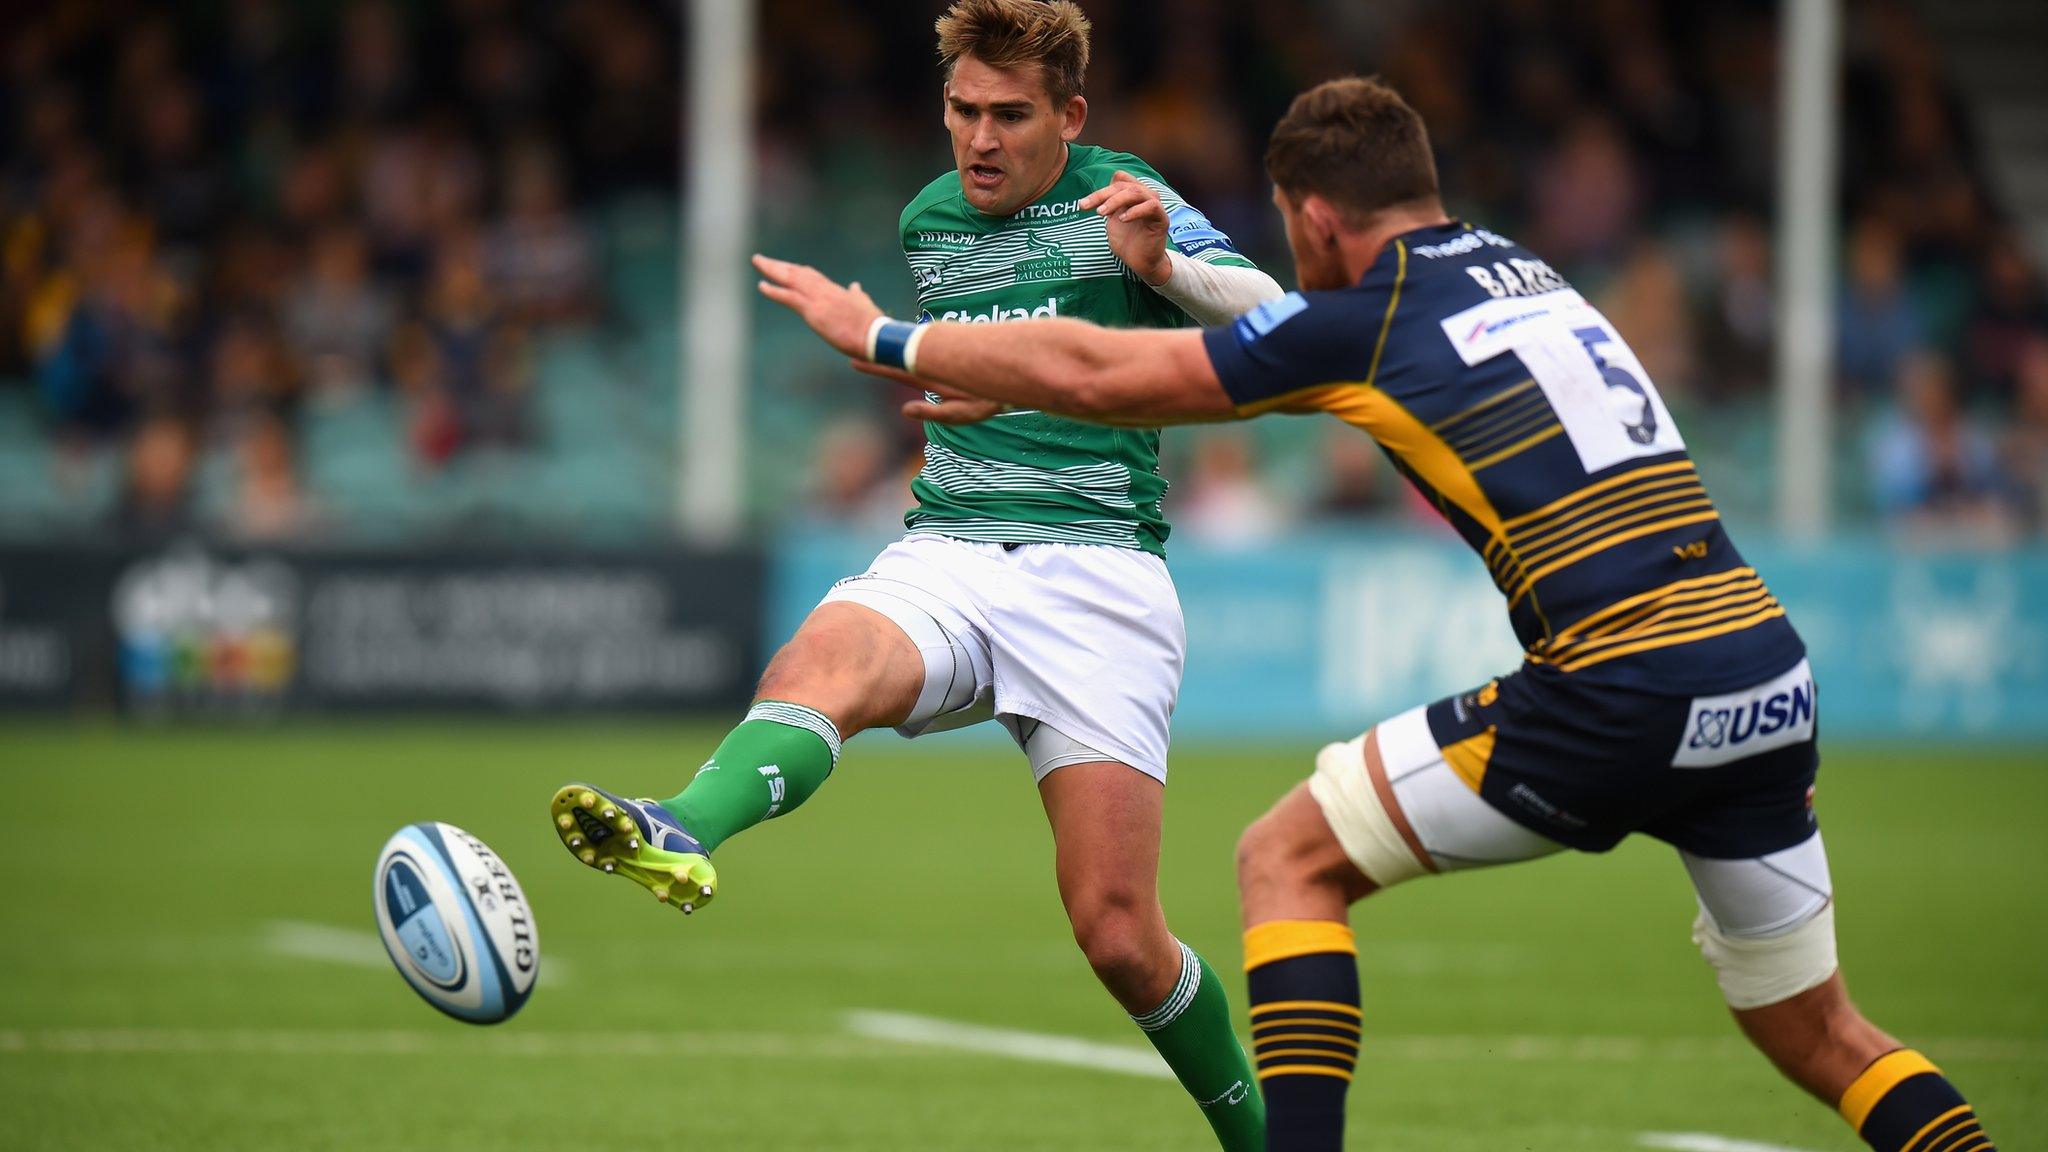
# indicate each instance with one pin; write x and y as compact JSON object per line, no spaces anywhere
{"x":1084,"y":226}
{"x":1107,"y":483}
{"x":1005,"y":276}
{"x":952,"y":291}
{"x":1168,"y":198}
{"x":1116,"y":533}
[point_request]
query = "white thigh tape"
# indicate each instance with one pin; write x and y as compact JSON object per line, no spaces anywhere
{"x":1757,"y":971}
{"x":1352,"y":806}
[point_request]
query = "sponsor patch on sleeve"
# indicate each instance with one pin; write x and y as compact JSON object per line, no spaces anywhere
{"x":1193,"y":234}
{"x":1268,"y":316}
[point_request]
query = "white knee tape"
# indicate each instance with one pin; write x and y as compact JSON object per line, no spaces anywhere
{"x":1352,"y":806}
{"x":1758,"y":970}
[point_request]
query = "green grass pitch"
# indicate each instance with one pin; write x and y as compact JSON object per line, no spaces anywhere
{"x":183,"y":957}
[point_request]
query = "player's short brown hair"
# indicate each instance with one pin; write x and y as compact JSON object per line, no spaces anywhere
{"x":1355,"y":143}
{"x":1013,"y":33}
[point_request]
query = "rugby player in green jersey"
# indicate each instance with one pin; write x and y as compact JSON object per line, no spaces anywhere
{"x":1031,"y":587}
{"x":1664,"y":690}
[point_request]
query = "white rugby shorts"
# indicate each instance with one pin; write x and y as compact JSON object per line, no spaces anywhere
{"x":1084,"y":638}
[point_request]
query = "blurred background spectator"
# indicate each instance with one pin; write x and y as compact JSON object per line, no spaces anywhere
{"x":386,"y":268}
{"x":1935,"y":469}
{"x":2027,"y":448}
{"x":1355,"y":481}
{"x":1221,"y":499}
{"x":1879,"y":324}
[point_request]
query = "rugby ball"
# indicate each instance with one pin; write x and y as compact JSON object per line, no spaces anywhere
{"x":456,"y":923}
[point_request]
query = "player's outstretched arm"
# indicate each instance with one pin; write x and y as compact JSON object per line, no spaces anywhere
{"x":1137,"y":377}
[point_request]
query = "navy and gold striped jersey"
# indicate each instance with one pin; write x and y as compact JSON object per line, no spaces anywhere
{"x":1522,"y":414}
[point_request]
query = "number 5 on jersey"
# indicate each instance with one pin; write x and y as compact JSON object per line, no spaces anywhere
{"x":1607,"y":403}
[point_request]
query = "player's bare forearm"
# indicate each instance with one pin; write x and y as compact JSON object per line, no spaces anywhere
{"x":1137,"y":377}
{"x":1134,"y":377}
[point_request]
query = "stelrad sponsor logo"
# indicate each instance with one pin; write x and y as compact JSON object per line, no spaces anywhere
{"x":1721,"y":729}
{"x":993,"y":315}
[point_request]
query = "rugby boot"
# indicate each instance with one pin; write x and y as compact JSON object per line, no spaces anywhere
{"x":637,"y":839}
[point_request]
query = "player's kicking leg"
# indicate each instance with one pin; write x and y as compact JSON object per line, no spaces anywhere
{"x":847,"y":669}
{"x":1106,"y":818}
{"x":901,"y":644}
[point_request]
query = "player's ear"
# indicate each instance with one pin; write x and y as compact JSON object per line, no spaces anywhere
{"x":1323,"y":220}
{"x":1073,"y":116}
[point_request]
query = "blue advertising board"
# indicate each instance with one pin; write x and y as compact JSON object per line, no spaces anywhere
{"x":1325,"y":634}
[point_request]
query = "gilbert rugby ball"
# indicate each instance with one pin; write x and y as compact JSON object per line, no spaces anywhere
{"x":456,"y":923}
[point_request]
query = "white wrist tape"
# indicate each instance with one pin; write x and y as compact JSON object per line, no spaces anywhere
{"x":1215,"y":293}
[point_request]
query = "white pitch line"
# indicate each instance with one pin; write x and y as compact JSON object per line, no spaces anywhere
{"x":1035,"y":1047}
{"x":325,"y":943}
{"x":1055,"y":1049}
{"x":1409,"y":1049}
{"x":1706,"y":1142}
{"x":912,"y":1036}
{"x":328,"y":944}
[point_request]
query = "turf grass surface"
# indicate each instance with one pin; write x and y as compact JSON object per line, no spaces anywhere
{"x":185,"y":953}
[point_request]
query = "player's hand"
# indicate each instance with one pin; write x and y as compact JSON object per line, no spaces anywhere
{"x":841,"y":315}
{"x":1137,"y":225}
{"x":951,"y":406}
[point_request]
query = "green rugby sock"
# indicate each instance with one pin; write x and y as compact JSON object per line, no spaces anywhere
{"x":770,"y":764}
{"x":1192,"y":1031}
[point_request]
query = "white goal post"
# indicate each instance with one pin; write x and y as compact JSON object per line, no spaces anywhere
{"x":716,"y":296}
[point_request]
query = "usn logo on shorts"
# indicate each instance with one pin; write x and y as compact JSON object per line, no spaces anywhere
{"x":1774,"y":714}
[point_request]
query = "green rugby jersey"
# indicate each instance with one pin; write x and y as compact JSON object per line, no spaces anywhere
{"x":1027,"y":476}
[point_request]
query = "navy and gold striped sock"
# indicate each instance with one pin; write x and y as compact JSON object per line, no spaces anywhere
{"x":1902,"y":1103}
{"x":1303,"y":984}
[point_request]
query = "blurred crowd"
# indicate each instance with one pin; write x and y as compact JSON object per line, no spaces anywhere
{"x":218,"y":219}
{"x":1633,"y":145}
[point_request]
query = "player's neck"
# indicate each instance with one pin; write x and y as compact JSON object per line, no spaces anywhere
{"x":1362,"y":248}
